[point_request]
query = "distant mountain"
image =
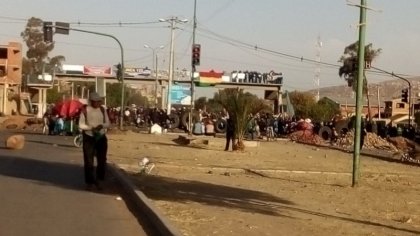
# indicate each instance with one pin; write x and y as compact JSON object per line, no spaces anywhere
{"x":387,"y":90}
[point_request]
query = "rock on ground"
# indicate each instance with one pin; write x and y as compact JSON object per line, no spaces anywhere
{"x":15,"y":142}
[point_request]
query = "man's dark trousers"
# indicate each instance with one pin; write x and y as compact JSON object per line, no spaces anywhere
{"x":91,"y":148}
{"x":229,"y":137}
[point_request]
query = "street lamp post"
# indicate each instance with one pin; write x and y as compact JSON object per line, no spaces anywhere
{"x":155,"y":67}
{"x":172,"y":22}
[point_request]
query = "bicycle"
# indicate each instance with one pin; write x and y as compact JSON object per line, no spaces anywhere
{"x":78,"y":140}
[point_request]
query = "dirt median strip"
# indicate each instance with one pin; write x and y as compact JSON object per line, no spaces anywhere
{"x":259,"y":172}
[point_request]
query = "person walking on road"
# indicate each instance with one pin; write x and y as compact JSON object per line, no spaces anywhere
{"x":94,"y":122}
{"x":230,"y":133}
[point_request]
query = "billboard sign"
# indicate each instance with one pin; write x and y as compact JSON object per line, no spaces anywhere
{"x":72,"y":69}
{"x":97,"y":70}
{"x":137,"y":72}
{"x":181,"y":94}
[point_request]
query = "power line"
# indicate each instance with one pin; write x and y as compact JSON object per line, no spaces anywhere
{"x":289,"y":56}
{"x":221,"y":38}
{"x":13,"y":18}
{"x":113,"y":23}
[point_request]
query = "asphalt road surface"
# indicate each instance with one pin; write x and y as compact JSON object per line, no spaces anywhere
{"x":43,"y":193}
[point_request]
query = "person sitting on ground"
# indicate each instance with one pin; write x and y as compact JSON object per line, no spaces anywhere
{"x":198,"y":128}
{"x":210,"y":128}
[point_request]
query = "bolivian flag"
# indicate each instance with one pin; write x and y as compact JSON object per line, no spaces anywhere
{"x":210,"y":78}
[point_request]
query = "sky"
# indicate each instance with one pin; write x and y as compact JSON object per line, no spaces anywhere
{"x":231,"y":33}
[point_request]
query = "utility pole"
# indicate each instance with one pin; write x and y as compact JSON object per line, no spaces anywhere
{"x":172,"y":22}
{"x":156,"y":81}
{"x":379,"y":104}
{"x":155,"y":67}
{"x":171,"y":69}
{"x":193,"y":69}
{"x":359,"y":93}
{"x":318,"y":66}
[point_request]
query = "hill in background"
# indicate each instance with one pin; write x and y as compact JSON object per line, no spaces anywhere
{"x":387,"y":90}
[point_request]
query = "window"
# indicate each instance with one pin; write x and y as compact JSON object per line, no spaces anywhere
{"x":2,"y":71}
{"x":400,"y":105}
{"x":3,"y":53}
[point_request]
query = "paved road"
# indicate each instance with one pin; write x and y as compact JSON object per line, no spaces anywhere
{"x":42,"y":193}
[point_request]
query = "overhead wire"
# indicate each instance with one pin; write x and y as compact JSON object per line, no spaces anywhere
{"x":216,"y":36}
{"x":114,"y":23}
{"x":302,"y":59}
{"x":219,"y":10}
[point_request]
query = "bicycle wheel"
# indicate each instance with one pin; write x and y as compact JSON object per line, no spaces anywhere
{"x":78,"y":140}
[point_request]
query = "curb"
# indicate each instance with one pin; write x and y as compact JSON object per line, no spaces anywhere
{"x":143,"y":204}
{"x":364,"y":153}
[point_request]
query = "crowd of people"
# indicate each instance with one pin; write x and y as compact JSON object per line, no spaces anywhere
{"x":256,"y":77}
{"x":210,"y":123}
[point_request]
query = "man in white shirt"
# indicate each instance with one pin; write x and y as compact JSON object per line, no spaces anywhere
{"x":94,"y":122}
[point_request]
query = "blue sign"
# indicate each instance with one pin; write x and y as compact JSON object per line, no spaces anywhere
{"x":181,"y":94}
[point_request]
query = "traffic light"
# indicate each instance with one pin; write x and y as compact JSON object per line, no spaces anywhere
{"x":196,"y":54}
{"x":119,"y":72}
{"x":404,"y":95}
{"x":48,"y":32}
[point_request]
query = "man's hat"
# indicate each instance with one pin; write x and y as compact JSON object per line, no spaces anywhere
{"x":95,"y":97}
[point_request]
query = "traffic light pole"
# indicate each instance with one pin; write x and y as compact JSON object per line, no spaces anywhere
{"x":122,"y":63}
{"x":409,"y":90}
{"x":190,"y":118}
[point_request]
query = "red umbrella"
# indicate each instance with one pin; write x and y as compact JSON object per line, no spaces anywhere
{"x":68,"y":108}
{"x":74,"y":107}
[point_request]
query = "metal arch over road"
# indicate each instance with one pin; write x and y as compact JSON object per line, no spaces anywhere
{"x":151,"y":81}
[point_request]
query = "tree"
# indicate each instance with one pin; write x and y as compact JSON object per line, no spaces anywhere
{"x":324,"y":110}
{"x":303,"y":102}
{"x":240,"y":106}
{"x":138,"y":99}
{"x":37,"y":57}
{"x":200,"y":103}
{"x":53,"y":96}
{"x":114,"y":94}
{"x":348,"y":70}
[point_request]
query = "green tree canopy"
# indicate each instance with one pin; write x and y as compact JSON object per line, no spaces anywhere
{"x":324,"y":110}
{"x":200,"y":103}
{"x":302,"y":102}
{"x":37,"y":56}
{"x":240,"y":106}
{"x":114,"y":94}
{"x":210,"y":105}
{"x":348,"y":70}
{"x":306,"y":106}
